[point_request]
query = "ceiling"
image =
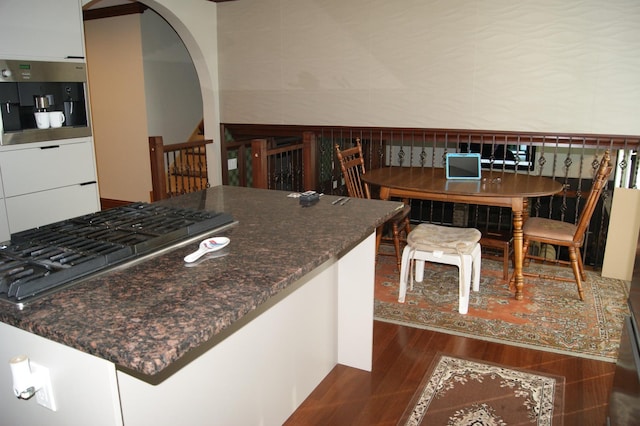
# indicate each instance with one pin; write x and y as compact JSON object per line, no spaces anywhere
{"x":97,"y":4}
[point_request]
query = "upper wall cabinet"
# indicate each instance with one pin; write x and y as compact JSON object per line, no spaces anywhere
{"x":41,"y":30}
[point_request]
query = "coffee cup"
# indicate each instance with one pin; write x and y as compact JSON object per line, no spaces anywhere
{"x":42,"y":120}
{"x":56,"y":118}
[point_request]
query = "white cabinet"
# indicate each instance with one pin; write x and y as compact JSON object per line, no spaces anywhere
{"x":48,"y":182}
{"x":41,"y":29}
{"x":27,"y":169}
{"x":259,"y":373}
{"x":4,"y":224}
{"x":84,"y":387}
{"x":40,"y":208}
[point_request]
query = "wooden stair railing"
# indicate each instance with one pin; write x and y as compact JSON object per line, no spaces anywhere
{"x":177,"y":168}
{"x":281,"y":162}
{"x":298,"y":158}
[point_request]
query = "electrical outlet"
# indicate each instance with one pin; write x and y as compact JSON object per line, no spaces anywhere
{"x":44,"y":395}
{"x":232,"y":163}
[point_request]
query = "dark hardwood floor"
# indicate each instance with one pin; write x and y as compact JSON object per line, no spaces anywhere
{"x":402,"y":356}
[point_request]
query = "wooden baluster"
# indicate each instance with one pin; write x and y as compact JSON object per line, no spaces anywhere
{"x":158,"y":175}
{"x":259,"y":163}
{"x":309,"y":161}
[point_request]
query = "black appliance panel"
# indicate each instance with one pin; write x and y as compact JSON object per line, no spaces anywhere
{"x":65,"y":86}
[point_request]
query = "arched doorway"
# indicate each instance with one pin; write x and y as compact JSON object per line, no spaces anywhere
{"x":142,"y":83}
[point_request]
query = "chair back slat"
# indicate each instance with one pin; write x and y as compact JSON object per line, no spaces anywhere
{"x":352,"y":166}
{"x":600,"y":180}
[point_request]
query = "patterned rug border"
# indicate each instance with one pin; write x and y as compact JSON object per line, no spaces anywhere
{"x":496,"y":340}
{"x":390,"y":311}
{"x":556,"y":414}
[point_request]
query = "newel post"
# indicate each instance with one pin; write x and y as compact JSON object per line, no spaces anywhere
{"x":259,"y":163}
{"x":158,"y":174}
{"x":309,"y":161}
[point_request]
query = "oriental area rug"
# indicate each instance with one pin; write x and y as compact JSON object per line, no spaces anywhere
{"x":550,"y":317}
{"x":458,"y":391}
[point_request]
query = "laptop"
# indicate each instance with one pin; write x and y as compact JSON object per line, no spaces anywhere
{"x":465,"y":166}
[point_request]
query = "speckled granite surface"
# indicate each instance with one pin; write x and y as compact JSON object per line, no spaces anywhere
{"x":147,"y":316}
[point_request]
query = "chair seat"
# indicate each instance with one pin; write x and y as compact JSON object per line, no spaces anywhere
{"x":401,"y":216}
{"x":396,"y":226}
{"x":429,"y":237}
{"x":549,"y":229}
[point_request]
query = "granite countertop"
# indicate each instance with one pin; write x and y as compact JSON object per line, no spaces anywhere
{"x":148,"y":316}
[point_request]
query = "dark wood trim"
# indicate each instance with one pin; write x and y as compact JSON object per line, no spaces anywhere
{"x":107,"y":203}
{"x":249,"y":131}
{"x":109,"y":12}
{"x":158,"y":174}
{"x":259,"y":157}
{"x":310,"y":170}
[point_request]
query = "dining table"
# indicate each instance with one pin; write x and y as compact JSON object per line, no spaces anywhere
{"x":495,"y":188}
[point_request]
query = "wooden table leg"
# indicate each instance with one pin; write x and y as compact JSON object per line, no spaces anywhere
{"x":384,"y":193}
{"x":517,"y":248}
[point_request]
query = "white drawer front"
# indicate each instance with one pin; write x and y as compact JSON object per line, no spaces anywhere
{"x":41,"y":208}
{"x":1,"y":189}
{"x":4,"y":223}
{"x":38,"y":169}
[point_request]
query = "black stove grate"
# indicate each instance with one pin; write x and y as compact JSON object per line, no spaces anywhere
{"x":41,"y":259}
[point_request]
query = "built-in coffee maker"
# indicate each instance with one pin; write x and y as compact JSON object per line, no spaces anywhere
{"x":41,"y":101}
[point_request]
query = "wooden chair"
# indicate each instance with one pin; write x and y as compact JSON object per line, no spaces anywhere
{"x":352,"y":164}
{"x":500,"y":247}
{"x":559,"y":233}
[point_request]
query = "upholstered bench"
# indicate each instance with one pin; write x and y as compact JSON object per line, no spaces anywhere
{"x":442,"y":244}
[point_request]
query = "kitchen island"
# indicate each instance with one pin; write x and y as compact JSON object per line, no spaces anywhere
{"x":241,"y":336}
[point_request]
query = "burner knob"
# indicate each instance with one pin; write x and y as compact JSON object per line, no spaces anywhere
{"x":6,"y":73}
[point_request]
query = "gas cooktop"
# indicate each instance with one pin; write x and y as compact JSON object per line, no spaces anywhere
{"x":41,"y":260}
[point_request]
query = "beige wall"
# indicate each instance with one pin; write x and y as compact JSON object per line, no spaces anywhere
{"x":118,"y":107}
{"x":554,"y":65}
{"x":550,"y":65}
{"x":622,"y":236}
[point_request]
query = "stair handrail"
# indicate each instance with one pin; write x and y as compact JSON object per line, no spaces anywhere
{"x":157,"y":153}
{"x":259,"y":149}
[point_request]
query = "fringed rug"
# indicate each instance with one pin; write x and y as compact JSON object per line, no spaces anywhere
{"x":464,"y":392}
{"x":551,"y":316}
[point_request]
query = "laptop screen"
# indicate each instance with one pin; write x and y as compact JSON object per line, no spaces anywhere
{"x":463,"y":166}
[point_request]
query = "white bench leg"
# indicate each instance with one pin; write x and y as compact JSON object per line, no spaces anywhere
{"x":468,"y":275}
{"x":477,"y":260}
{"x":405,"y":266}
{"x":419,"y":270}
{"x":464,"y":284}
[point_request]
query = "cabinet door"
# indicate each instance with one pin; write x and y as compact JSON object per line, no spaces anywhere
{"x":26,"y":170}
{"x":5,"y":235}
{"x":4,"y":223}
{"x":41,"y":29}
{"x":41,"y":208}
